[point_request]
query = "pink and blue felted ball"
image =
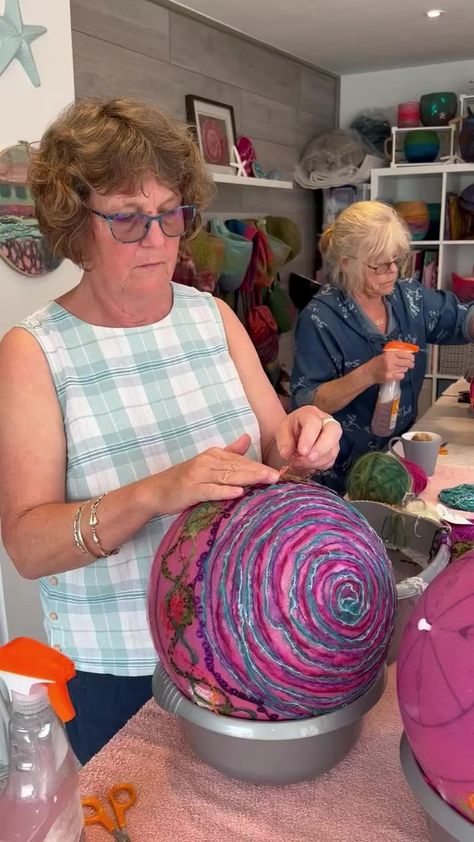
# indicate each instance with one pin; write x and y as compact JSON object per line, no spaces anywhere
{"x":436,"y":684}
{"x":277,"y":605}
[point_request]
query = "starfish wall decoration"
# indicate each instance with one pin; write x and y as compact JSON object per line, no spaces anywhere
{"x":15,"y":41}
{"x":238,"y":163}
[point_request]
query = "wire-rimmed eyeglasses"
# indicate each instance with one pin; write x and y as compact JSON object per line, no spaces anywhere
{"x":383,"y":268}
{"x":133,"y":227}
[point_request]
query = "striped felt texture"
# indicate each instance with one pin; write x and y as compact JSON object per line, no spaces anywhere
{"x":277,"y":605}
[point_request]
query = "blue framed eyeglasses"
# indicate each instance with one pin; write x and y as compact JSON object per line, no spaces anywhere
{"x":133,"y":227}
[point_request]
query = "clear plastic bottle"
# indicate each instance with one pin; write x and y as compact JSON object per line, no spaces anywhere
{"x":385,"y":415}
{"x":41,"y":801}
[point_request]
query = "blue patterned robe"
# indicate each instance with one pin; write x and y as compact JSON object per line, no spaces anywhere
{"x":333,"y":337}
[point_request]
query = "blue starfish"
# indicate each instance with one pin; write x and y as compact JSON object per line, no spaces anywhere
{"x":15,"y":40}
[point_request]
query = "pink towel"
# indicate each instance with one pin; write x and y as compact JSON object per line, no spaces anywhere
{"x":180,"y":799}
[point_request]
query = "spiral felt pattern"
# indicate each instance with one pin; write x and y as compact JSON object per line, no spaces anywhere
{"x":277,"y":605}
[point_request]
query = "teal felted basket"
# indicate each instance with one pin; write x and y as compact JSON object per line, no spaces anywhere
{"x":237,"y":254}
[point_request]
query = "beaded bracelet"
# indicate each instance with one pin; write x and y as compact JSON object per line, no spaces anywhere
{"x":78,"y":539}
{"x":93,"y":523}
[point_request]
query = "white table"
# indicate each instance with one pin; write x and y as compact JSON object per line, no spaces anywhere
{"x":455,"y":424}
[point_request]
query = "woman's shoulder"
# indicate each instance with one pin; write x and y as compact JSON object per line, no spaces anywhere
{"x":40,"y":318}
{"x":328,"y":299}
{"x":190,"y":295}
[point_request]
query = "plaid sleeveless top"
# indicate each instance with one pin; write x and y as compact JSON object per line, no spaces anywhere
{"x":134,"y":402}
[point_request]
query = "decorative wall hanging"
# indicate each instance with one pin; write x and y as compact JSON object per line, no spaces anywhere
{"x":215,"y":129}
{"x":15,"y":40}
{"x":22,"y":244}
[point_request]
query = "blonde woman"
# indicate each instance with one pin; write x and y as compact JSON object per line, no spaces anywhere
{"x":128,"y":386}
{"x":340,"y":335}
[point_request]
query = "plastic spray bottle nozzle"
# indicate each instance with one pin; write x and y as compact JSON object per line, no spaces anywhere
{"x":25,"y":662}
{"x":396,"y":345}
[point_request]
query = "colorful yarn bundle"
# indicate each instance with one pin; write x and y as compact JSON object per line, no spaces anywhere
{"x":458,"y":497}
{"x":435,"y":684}
{"x":462,"y":539}
{"x":277,"y":605}
{"x":419,"y":478}
{"x":379,"y":477}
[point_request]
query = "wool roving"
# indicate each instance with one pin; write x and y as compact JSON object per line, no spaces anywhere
{"x":419,"y":477}
{"x":379,"y":477}
{"x":459,"y":497}
{"x":277,"y":605}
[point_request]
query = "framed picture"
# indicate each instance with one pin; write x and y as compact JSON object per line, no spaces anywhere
{"x":215,"y":129}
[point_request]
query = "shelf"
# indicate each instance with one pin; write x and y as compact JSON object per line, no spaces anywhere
{"x":436,"y":168}
{"x":226,"y":178}
{"x":432,"y":181}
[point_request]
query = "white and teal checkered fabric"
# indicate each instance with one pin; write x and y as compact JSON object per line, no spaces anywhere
{"x":134,"y":401}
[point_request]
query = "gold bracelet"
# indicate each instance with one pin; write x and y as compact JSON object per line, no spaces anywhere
{"x":93,"y":523}
{"x":78,"y":539}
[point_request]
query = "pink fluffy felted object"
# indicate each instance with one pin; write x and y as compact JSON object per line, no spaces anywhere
{"x":435,"y":678}
{"x":419,"y":478}
{"x":277,"y":605}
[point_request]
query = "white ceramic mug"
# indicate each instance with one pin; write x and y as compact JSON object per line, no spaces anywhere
{"x":423,"y":453}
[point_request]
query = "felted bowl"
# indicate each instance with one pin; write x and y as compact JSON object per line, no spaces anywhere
{"x":416,"y":216}
{"x":421,"y":147}
{"x":463,"y":287}
{"x":437,"y":109}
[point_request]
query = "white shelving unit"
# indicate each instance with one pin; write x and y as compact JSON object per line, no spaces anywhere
{"x":227,"y":178}
{"x":431,"y":183}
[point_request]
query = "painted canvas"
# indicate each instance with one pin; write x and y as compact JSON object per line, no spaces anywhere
{"x":22,"y":244}
{"x":214,"y":140}
{"x":215,"y":131}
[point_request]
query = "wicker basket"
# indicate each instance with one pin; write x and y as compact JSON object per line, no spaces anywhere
{"x":455,"y":359}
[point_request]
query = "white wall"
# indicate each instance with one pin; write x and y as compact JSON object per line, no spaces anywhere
{"x":26,"y":111}
{"x":386,"y":88}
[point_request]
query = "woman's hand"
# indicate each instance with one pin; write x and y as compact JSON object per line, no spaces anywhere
{"x":390,"y":365}
{"x":216,"y":474}
{"x":308,"y":439}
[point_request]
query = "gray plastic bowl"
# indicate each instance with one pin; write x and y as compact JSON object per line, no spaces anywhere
{"x":444,"y":823}
{"x":268,"y":752}
{"x":421,"y":533}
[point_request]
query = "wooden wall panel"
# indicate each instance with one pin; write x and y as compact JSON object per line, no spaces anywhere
{"x":139,"y":48}
{"x":203,"y":49}
{"x":138,"y":26}
{"x":115,"y":71}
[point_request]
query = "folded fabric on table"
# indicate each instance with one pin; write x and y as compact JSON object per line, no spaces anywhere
{"x":363,"y":799}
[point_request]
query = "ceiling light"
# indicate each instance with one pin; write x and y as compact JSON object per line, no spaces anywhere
{"x":434,"y":13}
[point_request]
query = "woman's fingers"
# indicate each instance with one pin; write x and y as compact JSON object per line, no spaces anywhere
{"x":320,"y":463}
{"x":307,"y":436}
{"x":243,"y":472}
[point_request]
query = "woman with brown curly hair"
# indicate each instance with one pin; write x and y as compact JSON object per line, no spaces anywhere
{"x":126,"y":400}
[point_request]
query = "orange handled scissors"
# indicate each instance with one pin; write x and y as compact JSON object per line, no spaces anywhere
{"x":119,"y":804}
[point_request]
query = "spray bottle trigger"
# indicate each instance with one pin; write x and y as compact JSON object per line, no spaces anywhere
{"x":60,"y":700}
